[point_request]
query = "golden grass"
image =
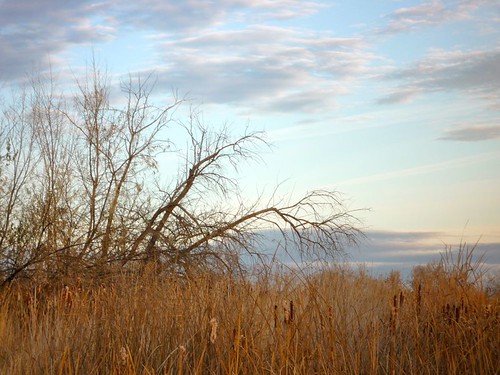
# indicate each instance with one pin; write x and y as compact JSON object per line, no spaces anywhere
{"x":336,"y":322}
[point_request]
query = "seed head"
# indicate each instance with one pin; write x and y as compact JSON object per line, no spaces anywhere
{"x":123,"y":356}
{"x":213,"y":333}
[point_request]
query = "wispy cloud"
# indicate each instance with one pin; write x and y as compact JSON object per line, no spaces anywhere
{"x":421,"y":170}
{"x":172,"y":15}
{"x":474,"y":73}
{"x":33,"y":31}
{"x":404,"y":19}
{"x":472,"y":133}
{"x":432,"y":13}
{"x":391,"y":250}
{"x":265,"y":68}
{"x":401,"y":95}
{"x":406,"y":237}
{"x":384,"y":251}
{"x":315,"y":128}
{"x":223,"y":52}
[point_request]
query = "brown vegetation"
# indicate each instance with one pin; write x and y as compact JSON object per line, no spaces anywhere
{"x":333,"y":322}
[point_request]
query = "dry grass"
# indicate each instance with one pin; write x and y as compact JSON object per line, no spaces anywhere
{"x":336,"y":322}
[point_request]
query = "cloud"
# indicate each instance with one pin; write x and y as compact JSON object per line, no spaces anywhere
{"x":405,"y":19}
{"x":431,"y":13}
{"x":406,"y":237}
{"x":474,"y":73}
{"x":472,"y":133}
{"x":33,"y":32}
{"x":189,"y":15}
{"x":314,"y":127}
{"x":204,"y":48}
{"x":265,"y":68}
{"x":422,"y":170}
{"x":384,"y":251}
{"x":403,"y":95}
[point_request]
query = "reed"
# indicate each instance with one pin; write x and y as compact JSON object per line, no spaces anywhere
{"x":337,"y":321}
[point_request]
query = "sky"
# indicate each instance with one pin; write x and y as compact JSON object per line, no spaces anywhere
{"x":394,"y":103}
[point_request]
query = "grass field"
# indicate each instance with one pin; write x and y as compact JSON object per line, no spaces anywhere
{"x":445,"y":321}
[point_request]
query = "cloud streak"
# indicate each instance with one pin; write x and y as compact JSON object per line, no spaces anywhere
{"x":472,"y":133}
{"x":432,"y":13}
{"x":422,"y":170}
{"x":384,"y":251}
{"x":265,"y":68}
{"x":474,"y":73}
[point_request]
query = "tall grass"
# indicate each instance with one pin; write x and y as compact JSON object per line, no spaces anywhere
{"x":334,"y":322}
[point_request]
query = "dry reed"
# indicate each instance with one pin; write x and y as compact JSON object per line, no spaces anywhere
{"x":334,"y":322}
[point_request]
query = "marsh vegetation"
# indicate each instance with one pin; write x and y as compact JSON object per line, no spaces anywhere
{"x":106,"y":268}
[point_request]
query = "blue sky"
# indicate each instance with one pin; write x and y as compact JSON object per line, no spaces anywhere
{"x":394,"y":103}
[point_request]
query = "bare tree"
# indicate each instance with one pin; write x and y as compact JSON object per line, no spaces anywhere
{"x":36,"y":227}
{"x":17,"y":161}
{"x":116,"y":144}
{"x":186,"y":231}
{"x":80,"y":195}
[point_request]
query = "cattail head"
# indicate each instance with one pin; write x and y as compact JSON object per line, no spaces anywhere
{"x":213,"y":333}
{"x":123,"y":356}
{"x":287,"y":311}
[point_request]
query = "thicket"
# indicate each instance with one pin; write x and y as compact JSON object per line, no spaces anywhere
{"x":83,"y":190}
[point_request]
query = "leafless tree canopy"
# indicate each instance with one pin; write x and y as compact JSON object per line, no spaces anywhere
{"x":80,"y":188}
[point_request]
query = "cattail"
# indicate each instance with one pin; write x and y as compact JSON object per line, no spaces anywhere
{"x":235,"y":339}
{"x":123,"y":356}
{"x":488,"y":309}
{"x":290,"y":318}
{"x":288,"y":311}
{"x":67,"y":296}
{"x":213,"y":333}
